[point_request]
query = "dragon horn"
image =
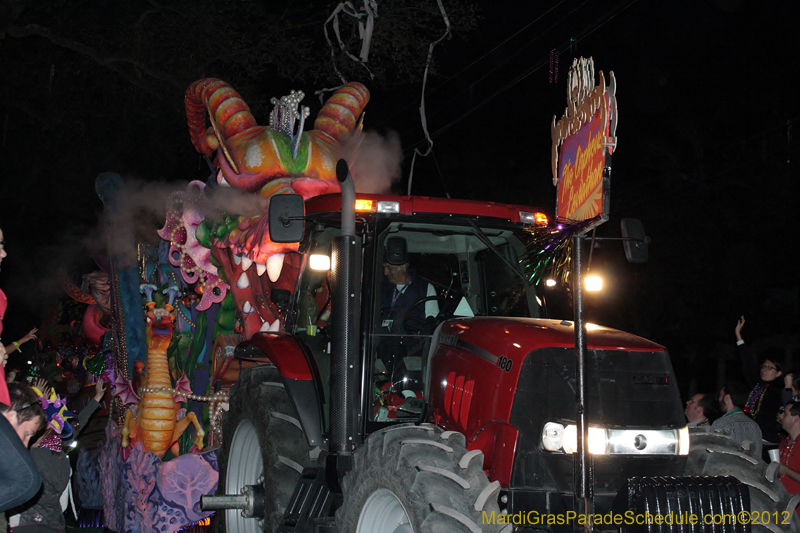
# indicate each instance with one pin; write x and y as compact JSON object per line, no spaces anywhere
{"x":147,"y":289}
{"x":339,"y":117}
{"x":228,"y":113}
{"x":172,"y":292}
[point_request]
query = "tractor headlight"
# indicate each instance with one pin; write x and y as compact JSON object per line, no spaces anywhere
{"x":683,"y":441}
{"x":564,"y":437}
{"x":553,"y":436}
{"x":319,"y":262}
{"x":557,"y":437}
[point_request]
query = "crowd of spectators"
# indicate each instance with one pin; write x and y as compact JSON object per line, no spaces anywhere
{"x":763,"y":413}
{"x":34,"y":471}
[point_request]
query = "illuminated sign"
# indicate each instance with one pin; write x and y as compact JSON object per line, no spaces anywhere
{"x":586,"y":136}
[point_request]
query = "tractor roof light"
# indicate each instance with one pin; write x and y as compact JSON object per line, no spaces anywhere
{"x":533,"y":218}
{"x":364,"y":205}
{"x":385,"y":206}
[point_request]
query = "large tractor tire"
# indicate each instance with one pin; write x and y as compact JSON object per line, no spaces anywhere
{"x":418,"y":479}
{"x":263,"y":444}
{"x":772,"y":508}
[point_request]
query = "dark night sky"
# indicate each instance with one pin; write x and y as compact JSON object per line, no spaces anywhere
{"x":706,"y":159}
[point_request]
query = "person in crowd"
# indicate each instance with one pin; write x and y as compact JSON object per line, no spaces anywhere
{"x":789,"y":452}
{"x":22,"y":418}
{"x":700,"y":410}
{"x":791,"y":387}
{"x":764,"y":400}
{"x":17,"y":345}
{"x":734,"y":422}
{"x":44,"y":513}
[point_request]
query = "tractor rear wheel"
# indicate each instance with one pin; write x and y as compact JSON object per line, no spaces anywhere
{"x":772,"y":508}
{"x":419,"y":479}
{"x":267,"y":446}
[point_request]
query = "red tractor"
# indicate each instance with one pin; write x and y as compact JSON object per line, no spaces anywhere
{"x":443,"y":401}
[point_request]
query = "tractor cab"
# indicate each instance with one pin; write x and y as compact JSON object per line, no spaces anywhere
{"x":418,"y":271}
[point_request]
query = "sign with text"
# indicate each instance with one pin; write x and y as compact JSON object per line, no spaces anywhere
{"x":586,"y":137}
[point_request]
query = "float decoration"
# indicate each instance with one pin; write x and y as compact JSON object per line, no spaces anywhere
{"x":264,"y":161}
{"x":95,"y":293}
{"x":586,"y":135}
{"x":211,"y":276}
{"x":155,"y":422}
{"x":123,"y":389}
{"x":550,"y":248}
{"x":144,"y":494}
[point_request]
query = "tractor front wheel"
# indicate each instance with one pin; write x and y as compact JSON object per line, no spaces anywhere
{"x":263,"y":445}
{"x":772,"y":509}
{"x":419,"y":479}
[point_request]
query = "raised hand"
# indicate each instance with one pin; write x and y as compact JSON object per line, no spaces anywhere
{"x":31,"y":335}
{"x":739,"y":326}
{"x":99,"y":390}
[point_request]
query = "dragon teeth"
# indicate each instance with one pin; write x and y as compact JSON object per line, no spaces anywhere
{"x":274,"y":266}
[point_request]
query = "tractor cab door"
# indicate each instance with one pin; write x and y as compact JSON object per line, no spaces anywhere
{"x":309,"y":318}
{"x":423,"y":274}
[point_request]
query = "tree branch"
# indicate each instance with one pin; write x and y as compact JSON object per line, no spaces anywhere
{"x":110,"y":62}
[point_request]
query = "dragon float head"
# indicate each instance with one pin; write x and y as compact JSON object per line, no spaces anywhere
{"x":159,"y":321}
{"x":279,"y":158}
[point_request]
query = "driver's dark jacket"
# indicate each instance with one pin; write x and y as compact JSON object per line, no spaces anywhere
{"x":416,"y":290}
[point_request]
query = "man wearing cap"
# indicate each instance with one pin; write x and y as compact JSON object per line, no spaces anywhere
{"x":401,"y":321}
{"x":401,"y":290}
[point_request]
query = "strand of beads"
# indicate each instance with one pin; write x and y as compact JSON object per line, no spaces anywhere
{"x":216,"y":419}
{"x":216,"y":397}
{"x":215,"y":409}
{"x":183,"y":316}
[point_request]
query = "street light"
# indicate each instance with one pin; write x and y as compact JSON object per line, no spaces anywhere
{"x":593,"y":283}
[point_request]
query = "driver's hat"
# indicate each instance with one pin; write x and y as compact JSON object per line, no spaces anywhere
{"x":396,"y":251}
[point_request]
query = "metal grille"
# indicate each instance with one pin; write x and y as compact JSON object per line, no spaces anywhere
{"x":715,"y":502}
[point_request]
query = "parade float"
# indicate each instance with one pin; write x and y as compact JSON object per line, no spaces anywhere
{"x":165,"y":317}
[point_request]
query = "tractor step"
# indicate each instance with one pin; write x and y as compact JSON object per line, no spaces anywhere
{"x":312,"y":505}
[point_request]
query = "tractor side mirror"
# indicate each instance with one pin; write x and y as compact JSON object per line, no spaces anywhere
{"x":286,"y":217}
{"x":634,"y":240}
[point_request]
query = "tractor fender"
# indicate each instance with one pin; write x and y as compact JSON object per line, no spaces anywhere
{"x":498,"y":442}
{"x":299,"y":374}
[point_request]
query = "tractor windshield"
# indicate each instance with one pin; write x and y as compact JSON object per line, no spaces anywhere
{"x":424,"y":274}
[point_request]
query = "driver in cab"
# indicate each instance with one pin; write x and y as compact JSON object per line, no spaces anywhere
{"x":401,"y":290}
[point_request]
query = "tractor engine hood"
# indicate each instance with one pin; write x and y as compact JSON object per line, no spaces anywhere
{"x":499,"y":380}
{"x":485,"y":355}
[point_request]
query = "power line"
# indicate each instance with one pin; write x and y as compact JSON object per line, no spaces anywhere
{"x":542,"y":62}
